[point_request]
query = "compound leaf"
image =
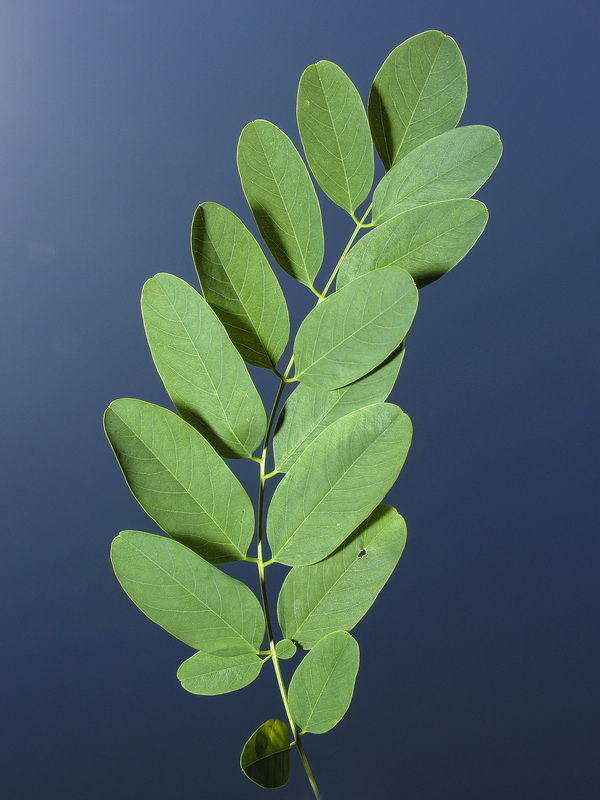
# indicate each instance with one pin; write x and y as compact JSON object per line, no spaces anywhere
{"x":322,"y":686}
{"x":426,"y":241}
{"x":209,"y":673}
{"x":454,"y":164}
{"x":335,"y":134}
{"x":186,"y":595}
{"x":180,"y":481}
{"x":309,"y":411}
{"x":202,"y":371}
{"x":265,"y":758}
{"x":419,"y":92}
{"x":282,"y":198}
{"x":355,"y":329}
{"x":239,"y":285}
{"x":336,"y":483}
{"x":336,"y":593}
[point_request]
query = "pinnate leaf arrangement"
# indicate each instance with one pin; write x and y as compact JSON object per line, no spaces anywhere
{"x":338,"y":447}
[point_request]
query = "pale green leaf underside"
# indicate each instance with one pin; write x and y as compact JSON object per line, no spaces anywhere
{"x":335,"y":134}
{"x":285,"y":649}
{"x":309,"y":411}
{"x":282,"y":198}
{"x":210,"y":674}
{"x":265,"y":758}
{"x":336,"y":483}
{"x":239,"y":285}
{"x":335,"y":593}
{"x":419,"y":92}
{"x":454,"y":164}
{"x":202,"y":371}
{"x":355,"y":329}
{"x":322,"y":686}
{"x":180,"y":481}
{"x":426,"y":241}
{"x":186,"y":595}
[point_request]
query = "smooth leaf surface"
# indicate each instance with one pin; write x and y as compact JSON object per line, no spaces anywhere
{"x":454,"y":164}
{"x":322,"y":686}
{"x":265,"y":758}
{"x":335,"y":593}
{"x":335,"y":134}
{"x":239,"y":285}
{"x":285,"y":649}
{"x":180,"y":481}
{"x":355,"y":329}
{"x":186,"y":595}
{"x":419,"y":92}
{"x":426,"y":241}
{"x":208,"y":673}
{"x":282,"y":198}
{"x":202,"y":371}
{"x":336,"y":483}
{"x":309,"y":411}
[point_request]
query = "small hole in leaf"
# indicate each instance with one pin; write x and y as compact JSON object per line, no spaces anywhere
{"x":362,"y":553}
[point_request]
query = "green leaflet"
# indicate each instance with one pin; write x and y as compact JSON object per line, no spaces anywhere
{"x":336,"y":483}
{"x":186,"y":595}
{"x":336,"y":593}
{"x":282,"y":198}
{"x":239,"y":285}
{"x":265,"y":758}
{"x":180,"y":481}
{"x":454,"y":164}
{"x":355,"y":329}
{"x":285,"y":649}
{"x":426,"y":241}
{"x":322,"y":686}
{"x":208,"y":673}
{"x":309,"y":411}
{"x":419,"y":92}
{"x":335,"y":134}
{"x":202,"y":371}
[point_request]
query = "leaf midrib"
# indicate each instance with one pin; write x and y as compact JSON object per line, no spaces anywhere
{"x":324,"y":686}
{"x":252,"y":660}
{"x":341,"y":476}
{"x":337,"y":141}
{"x":264,"y":344}
{"x":341,"y":343}
{"x":207,"y":373}
{"x":285,"y":207}
{"x":192,"y":594}
{"x":312,"y":613}
{"x":425,"y":82}
{"x":178,"y":482}
{"x":320,"y":419}
{"x":427,"y":183}
{"x":480,"y":212}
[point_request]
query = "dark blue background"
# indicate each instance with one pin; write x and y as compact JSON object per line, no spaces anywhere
{"x":479,"y":660}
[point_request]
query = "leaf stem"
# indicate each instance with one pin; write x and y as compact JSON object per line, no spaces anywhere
{"x":263,"y":586}
{"x":315,"y":291}
{"x":261,"y":562}
{"x":361,"y":223}
{"x":359,"y":226}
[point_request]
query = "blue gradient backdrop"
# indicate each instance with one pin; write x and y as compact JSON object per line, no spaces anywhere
{"x":480,"y":659}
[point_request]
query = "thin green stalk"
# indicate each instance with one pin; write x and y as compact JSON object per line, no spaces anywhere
{"x":263,"y":586}
{"x":357,"y":230}
{"x":264,"y":476}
